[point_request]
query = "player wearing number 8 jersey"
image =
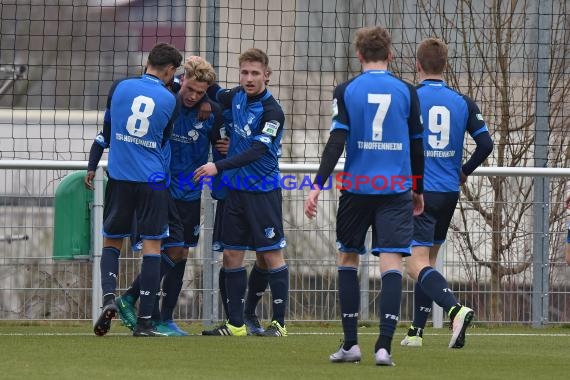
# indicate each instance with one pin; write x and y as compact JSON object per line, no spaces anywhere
{"x":138,"y":122}
{"x":447,"y":115}
{"x":378,"y":117}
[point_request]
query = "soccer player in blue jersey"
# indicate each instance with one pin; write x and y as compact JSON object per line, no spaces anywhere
{"x":138,"y":122}
{"x":377,"y":116}
{"x":258,"y":278}
{"x":252,"y":217}
{"x":190,"y":147}
{"x":447,"y":115}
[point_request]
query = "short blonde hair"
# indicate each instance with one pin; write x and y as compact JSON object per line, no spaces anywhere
{"x":199,"y":69}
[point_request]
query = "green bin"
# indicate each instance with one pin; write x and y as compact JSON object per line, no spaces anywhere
{"x":72,"y":219}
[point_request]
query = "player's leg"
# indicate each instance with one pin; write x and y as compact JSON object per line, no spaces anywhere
{"x":188,"y":213}
{"x":117,"y":216}
{"x":236,"y":240}
{"x":172,"y":251}
{"x":279,"y":285}
{"x":236,"y":282}
{"x":126,"y":303}
{"x":354,"y":217}
{"x":256,"y":284}
{"x":392,"y":234}
{"x":422,"y":302}
{"x":265,"y":216}
{"x":173,"y":271}
{"x":109,"y":272}
{"x":424,"y":226}
{"x":152,"y":218}
{"x":390,"y":299}
{"x":433,"y":283}
{"x":349,"y":299}
{"x":126,"y":308}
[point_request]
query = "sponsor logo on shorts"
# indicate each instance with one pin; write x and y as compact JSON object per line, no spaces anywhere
{"x":270,"y":232}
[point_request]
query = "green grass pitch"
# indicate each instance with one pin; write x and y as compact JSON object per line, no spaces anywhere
{"x":57,"y":351}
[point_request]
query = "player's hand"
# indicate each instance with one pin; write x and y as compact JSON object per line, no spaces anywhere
{"x":204,"y":111}
{"x":222,"y":146}
{"x":418,"y":201}
{"x":311,"y":203}
{"x":207,"y":170}
{"x":463,"y":178}
{"x":88,"y":180}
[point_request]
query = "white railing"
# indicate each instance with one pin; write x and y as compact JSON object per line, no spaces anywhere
{"x":211,"y":314}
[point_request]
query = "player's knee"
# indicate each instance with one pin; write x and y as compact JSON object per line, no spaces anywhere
{"x":348,"y":259}
{"x":233,"y":258}
{"x":151,"y":246}
{"x":274,"y":259}
{"x":177,"y":254}
{"x":112,"y":242}
{"x":181,"y":256}
{"x":414,"y":265}
{"x":260,"y":261}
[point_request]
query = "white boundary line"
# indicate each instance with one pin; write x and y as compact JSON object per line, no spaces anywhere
{"x":440,"y":334}
{"x":305,"y":333}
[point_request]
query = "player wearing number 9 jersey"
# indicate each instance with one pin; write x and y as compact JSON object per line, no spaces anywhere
{"x":447,"y":115}
{"x":138,"y":122}
{"x":377,"y":116}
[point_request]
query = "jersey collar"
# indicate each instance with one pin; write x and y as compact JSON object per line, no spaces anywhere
{"x":261,"y":96}
{"x":376,"y":71}
{"x":434,"y":82}
{"x":153,"y":78}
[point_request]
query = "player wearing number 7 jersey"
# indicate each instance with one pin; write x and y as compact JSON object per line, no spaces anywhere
{"x":138,"y":122}
{"x":447,"y":115}
{"x":378,"y":117}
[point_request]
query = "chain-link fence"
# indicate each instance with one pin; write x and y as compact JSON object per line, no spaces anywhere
{"x":59,"y":59}
{"x":34,"y":285}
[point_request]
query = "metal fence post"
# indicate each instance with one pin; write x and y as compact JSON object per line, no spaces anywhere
{"x":211,"y":263}
{"x":97,"y":242}
{"x":210,"y":279}
{"x":540,"y":243}
{"x":212,"y":33}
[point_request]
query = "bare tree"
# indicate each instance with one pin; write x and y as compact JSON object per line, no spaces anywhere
{"x":496,"y":65}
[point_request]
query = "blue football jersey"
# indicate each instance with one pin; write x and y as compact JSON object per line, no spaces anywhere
{"x":381,"y":114}
{"x":190,"y":145}
{"x":259,"y":118}
{"x":141,"y":112}
{"x":447,"y":115}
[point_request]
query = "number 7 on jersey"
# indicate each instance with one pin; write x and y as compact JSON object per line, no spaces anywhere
{"x":383,"y":101}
